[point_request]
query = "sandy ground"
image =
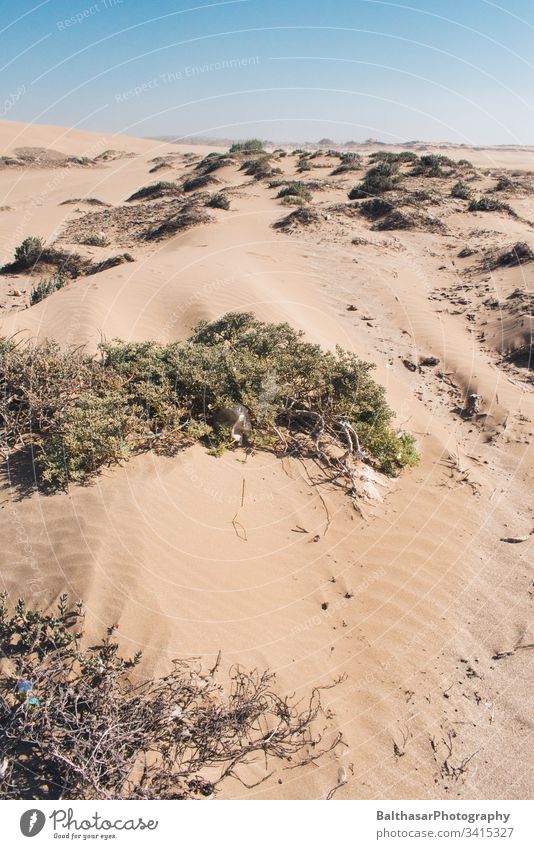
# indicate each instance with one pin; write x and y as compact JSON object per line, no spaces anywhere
{"x":421,"y":593}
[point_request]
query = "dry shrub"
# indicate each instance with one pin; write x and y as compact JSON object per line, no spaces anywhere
{"x":76,"y":724}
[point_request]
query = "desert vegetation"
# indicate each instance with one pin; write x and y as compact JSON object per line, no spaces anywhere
{"x":46,"y":287}
{"x":219,"y":201}
{"x":79,"y":412}
{"x":157,"y":190}
{"x":80,"y":722}
{"x":247,"y":147}
{"x":293,"y":190}
{"x":378,"y":179}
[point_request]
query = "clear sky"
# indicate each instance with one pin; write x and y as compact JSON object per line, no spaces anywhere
{"x":455,"y":70}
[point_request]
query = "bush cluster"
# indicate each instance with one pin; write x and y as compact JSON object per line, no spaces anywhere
{"x":80,"y":412}
{"x":249,"y":146}
{"x":381,"y":178}
{"x":392,"y":157}
{"x":348,"y":162}
{"x":431,"y":165}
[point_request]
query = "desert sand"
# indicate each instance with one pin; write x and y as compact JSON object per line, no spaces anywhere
{"x":411,"y":602}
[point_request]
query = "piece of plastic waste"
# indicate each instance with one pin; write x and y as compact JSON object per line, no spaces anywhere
{"x":34,"y":701}
{"x":24,"y":686}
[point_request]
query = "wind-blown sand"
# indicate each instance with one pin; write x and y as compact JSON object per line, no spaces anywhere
{"x":420,"y":593}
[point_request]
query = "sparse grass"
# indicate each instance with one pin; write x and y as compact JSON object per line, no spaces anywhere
{"x":96,"y":240}
{"x":82,"y":412}
{"x":293,"y":200}
{"x":46,"y":287}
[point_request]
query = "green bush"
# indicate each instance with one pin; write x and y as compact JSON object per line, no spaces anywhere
{"x":219,"y":201}
{"x":295,"y":189}
{"x":83,"y":412}
{"x":249,"y":146}
{"x":382,"y":178}
{"x":45,"y":288}
{"x":28,"y":252}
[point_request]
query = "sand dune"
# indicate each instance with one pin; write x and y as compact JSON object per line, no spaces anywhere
{"x":421,"y":593}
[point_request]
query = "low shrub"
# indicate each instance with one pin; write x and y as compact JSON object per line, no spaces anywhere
{"x":213,"y":162}
{"x":260,"y":168}
{"x":382,"y":178}
{"x":110,"y":262}
{"x":193,"y":184}
{"x":431,"y":165}
{"x":295,"y":189}
{"x":32,"y":255}
{"x":81,"y":412}
{"x":75,"y":724}
{"x":219,"y":201}
{"x":504,"y":184}
{"x":46,"y":287}
{"x":348,"y":162}
{"x":461,"y":191}
{"x":185,"y":219}
{"x":488,"y":204}
{"x":158,"y":190}
{"x":375,"y":208}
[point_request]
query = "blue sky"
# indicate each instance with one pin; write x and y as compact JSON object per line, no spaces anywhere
{"x":349,"y":69}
